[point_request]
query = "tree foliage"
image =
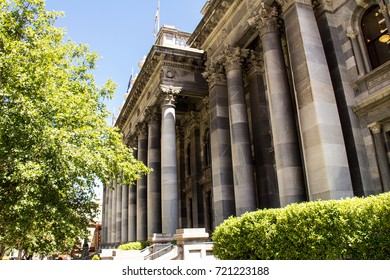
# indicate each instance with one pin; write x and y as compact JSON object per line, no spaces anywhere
{"x":55,"y":144}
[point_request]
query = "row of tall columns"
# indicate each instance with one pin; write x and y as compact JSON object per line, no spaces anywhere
{"x":221,"y":157}
{"x":267,"y":185}
{"x":142,"y":184}
{"x":151,"y":206}
{"x":326,"y":164}
{"x":284,"y":131}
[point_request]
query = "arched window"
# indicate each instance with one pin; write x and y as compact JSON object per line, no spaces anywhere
{"x":376,"y":36}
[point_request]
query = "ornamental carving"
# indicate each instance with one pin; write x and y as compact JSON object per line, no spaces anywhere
{"x":265,"y":20}
{"x":255,"y":61}
{"x":214,"y":74}
{"x":375,"y":128}
{"x":168,"y":95}
{"x":152,"y":114}
{"x":142,"y":130}
{"x":234,"y":58}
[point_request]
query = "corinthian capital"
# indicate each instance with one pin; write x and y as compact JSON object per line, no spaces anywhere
{"x":265,"y":20}
{"x":234,"y":58}
{"x":168,"y":95}
{"x":141,"y":130}
{"x":214,"y":74}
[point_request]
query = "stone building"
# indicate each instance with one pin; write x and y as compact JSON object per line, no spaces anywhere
{"x":266,"y":103}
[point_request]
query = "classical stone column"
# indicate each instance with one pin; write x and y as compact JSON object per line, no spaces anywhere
{"x":113,"y":216}
{"x":381,"y":156}
{"x":284,"y":132}
{"x":169,"y":182}
{"x":195,"y":166}
{"x":125,"y":214}
{"x":221,"y":158}
{"x":180,"y":142}
{"x":104,"y":217}
{"x":244,"y":189}
{"x":327,"y":169}
{"x":132,"y":201}
{"x":142,"y":234}
{"x":132,"y":225}
{"x":153,"y":118}
{"x":118,"y":218}
{"x":109,"y":215}
{"x":267,"y":184}
{"x":356,"y":50}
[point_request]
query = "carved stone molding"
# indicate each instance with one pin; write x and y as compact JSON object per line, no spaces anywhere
{"x":265,"y":20}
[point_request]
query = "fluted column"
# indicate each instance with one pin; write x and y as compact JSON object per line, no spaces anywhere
{"x":327,"y":168}
{"x":244,"y":189}
{"x":381,"y":155}
{"x":284,"y":132}
{"x":267,"y":184}
{"x":153,"y":118}
{"x":169,"y":182}
{"x":221,"y":157}
{"x":142,"y":184}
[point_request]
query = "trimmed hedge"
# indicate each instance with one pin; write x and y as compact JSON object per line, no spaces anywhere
{"x":133,"y":246}
{"x":356,"y":228}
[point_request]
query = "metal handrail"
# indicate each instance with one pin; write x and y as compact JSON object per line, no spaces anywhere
{"x":159,"y":251}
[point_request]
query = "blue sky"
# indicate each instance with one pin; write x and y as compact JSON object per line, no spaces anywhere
{"x":121,"y":32}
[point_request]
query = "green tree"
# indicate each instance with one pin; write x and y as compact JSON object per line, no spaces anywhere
{"x":55,"y":143}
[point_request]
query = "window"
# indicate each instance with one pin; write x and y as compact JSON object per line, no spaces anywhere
{"x":376,"y":36}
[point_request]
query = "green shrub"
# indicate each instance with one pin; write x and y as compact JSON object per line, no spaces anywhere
{"x":96,"y":258}
{"x":357,"y":228}
{"x":133,"y":246}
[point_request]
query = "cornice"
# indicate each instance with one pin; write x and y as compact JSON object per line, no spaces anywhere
{"x":185,"y":58}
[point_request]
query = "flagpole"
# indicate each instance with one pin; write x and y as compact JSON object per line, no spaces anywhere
{"x":158,"y":19}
